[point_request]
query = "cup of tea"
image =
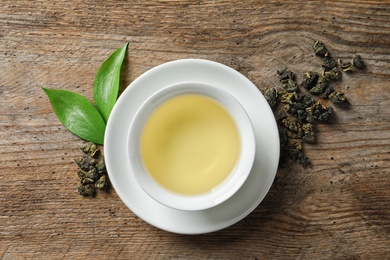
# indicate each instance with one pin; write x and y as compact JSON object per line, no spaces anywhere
{"x":191,"y":146}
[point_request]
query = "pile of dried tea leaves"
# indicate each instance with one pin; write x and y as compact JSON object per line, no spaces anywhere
{"x":92,"y":173}
{"x":298,"y":107}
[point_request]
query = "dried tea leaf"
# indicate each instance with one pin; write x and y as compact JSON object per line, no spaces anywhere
{"x":280,"y":115}
{"x":290,"y":85}
{"x":303,"y":160}
{"x":288,"y":97}
{"x":320,"y":87}
{"x":283,"y":137}
{"x":86,"y":190}
{"x":295,"y":144}
{"x":102,"y":183}
{"x":308,"y":133}
{"x":321,"y":112}
{"x":295,"y":135}
{"x":320,"y":49}
{"x":93,"y":174}
{"x":345,"y":66}
{"x":306,"y":100}
{"x":81,"y":175}
{"x":101,"y":166}
{"x":338,"y":98}
{"x":333,"y":74}
{"x":285,"y":74}
{"x":85,"y":163}
{"x":271,"y":95}
{"x":309,"y":80}
{"x":327,"y":91}
{"x":309,"y":117}
{"x":90,"y":149}
{"x":291,"y":124}
{"x":297,"y":109}
{"x":297,"y":156}
{"x":358,"y":62}
{"x":86,"y":180}
{"x":329,"y":63}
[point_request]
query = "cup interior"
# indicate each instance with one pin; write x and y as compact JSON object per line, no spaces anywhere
{"x":224,"y":190}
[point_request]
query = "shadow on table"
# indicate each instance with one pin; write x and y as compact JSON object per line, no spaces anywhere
{"x":286,"y":192}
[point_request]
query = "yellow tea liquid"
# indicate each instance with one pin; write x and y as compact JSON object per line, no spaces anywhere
{"x":190,"y":144}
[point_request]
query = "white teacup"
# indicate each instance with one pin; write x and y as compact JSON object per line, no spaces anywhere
{"x":235,"y":177}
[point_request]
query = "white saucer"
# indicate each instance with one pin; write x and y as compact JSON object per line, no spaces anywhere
{"x":239,"y":205}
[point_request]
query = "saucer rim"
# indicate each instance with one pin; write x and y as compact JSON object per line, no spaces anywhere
{"x":235,"y":208}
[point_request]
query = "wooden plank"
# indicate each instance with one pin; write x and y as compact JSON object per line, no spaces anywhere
{"x":337,"y":208}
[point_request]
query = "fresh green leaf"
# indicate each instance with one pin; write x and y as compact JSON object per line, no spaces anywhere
{"x":77,"y":114}
{"x":106,"y":85}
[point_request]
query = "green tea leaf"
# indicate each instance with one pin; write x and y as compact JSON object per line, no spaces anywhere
{"x":106,"y":85}
{"x":77,"y":114}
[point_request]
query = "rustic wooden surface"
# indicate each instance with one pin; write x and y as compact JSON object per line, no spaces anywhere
{"x":339,"y":208}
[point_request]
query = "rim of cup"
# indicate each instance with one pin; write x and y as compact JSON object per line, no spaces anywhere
{"x":223,"y":190}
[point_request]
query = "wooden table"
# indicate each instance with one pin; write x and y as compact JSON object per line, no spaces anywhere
{"x":338,"y":208}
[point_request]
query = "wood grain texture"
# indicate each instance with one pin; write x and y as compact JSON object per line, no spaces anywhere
{"x":336,"y":209}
